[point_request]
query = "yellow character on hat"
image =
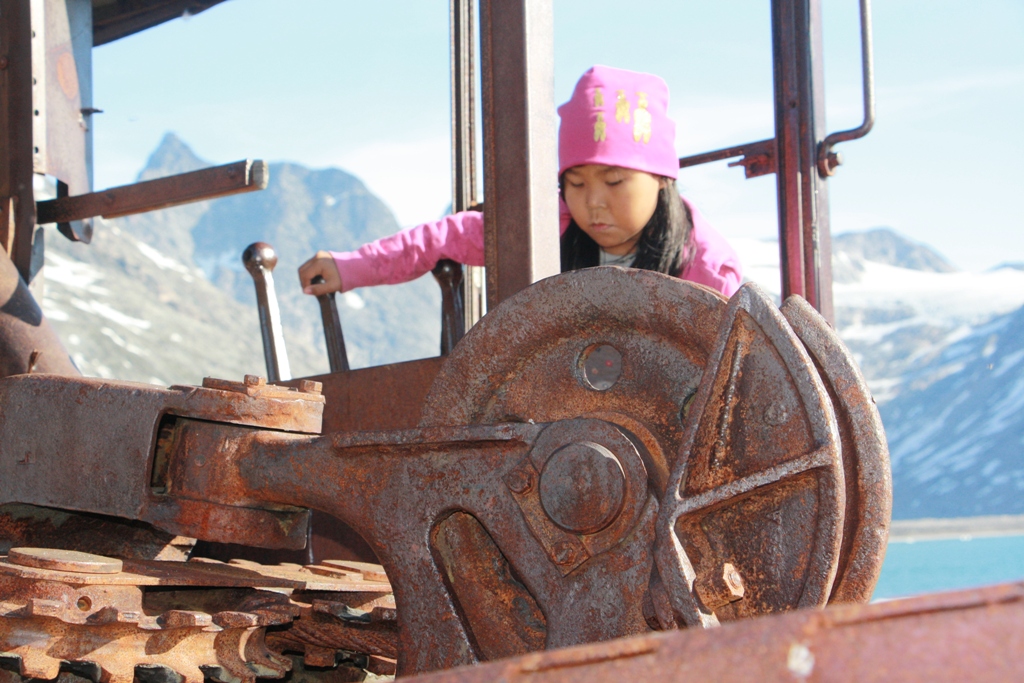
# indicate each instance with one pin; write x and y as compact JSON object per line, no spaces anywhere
{"x":622,"y":108}
{"x":598,"y":97}
{"x":599,"y":128}
{"x":641,"y":120}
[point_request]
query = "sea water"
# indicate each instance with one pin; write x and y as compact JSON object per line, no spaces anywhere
{"x":916,"y":567}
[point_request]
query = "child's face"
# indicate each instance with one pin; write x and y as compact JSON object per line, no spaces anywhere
{"x":611,"y":204}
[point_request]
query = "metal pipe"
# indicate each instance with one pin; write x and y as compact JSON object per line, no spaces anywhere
{"x":828,"y":160}
{"x":337,"y":356}
{"x":462,"y":24}
{"x":27,"y":342}
{"x":259,"y":259}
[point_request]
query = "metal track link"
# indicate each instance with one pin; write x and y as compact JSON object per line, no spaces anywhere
{"x":68,"y":615}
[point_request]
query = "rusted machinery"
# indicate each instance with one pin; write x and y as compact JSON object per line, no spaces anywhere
{"x":581,"y":472}
{"x":605,"y":454}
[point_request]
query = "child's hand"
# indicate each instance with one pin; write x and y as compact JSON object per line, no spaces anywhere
{"x":321,"y":264}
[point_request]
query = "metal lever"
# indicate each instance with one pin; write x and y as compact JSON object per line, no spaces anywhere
{"x":259,"y":259}
{"x":333,"y":337}
{"x":453,"y":311}
{"x":827,"y":159}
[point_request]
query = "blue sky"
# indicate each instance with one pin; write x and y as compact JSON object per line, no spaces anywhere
{"x":364,"y":86}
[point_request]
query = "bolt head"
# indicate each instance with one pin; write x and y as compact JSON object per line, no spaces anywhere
{"x":308,"y":386}
{"x":254,"y":381}
{"x":520,"y":481}
{"x":564,"y":553}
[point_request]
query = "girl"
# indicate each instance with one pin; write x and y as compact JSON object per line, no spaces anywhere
{"x":617,"y":174}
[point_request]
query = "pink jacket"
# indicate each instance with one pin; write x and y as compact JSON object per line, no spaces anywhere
{"x":460,"y":237}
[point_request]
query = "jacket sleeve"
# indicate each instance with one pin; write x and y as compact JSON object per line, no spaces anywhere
{"x":715,"y":262}
{"x":413,"y":252}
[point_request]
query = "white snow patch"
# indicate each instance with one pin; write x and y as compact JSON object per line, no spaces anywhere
{"x":1008,"y":362}
{"x":101,"y":309}
{"x":74,"y":274}
{"x":164,"y":262}
{"x":123,"y":343}
{"x":53,"y":313}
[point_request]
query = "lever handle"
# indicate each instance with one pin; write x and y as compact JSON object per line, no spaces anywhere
{"x":453,"y":309}
{"x":827,"y":159}
{"x":259,"y":259}
{"x":333,"y":337}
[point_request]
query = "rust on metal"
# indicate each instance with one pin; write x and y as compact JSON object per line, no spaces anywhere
{"x":64,"y":560}
{"x":259,"y":258}
{"x":865,"y":454}
{"x":946,"y":637}
{"x":162,"y":193}
{"x":376,"y":398}
{"x":519,"y":139}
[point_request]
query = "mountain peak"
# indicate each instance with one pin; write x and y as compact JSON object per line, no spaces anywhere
{"x":171,"y":156}
{"x":885,"y":245}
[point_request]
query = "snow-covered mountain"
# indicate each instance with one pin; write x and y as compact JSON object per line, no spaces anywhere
{"x":943,"y":352}
{"x":162,"y":297}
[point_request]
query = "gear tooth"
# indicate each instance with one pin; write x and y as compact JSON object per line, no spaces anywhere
{"x":36,"y":664}
{"x":222,"y":674}
{"x":85,"y":669}
{"x":157,"y":673}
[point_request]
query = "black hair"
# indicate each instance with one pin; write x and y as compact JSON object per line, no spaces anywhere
{"x":665,"y":244}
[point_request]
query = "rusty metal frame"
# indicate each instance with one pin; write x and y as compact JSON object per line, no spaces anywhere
{"x":161,"y":193}
{"x":520,"y":224}
{"x":804,"y":240}
{"x":17,"y":203}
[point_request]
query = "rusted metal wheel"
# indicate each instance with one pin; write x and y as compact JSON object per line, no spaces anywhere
{"x":759,"y":482}
{"x":865,"y":454}
{"x":738,"y":434}
{"x":626,"y":346}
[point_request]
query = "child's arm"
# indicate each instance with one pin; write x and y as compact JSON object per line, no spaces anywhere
{"x":400,"y":257}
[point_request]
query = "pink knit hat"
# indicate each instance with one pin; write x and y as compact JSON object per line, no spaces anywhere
{"x":618,"y":118}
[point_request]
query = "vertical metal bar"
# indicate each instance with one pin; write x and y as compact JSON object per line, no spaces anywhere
{"x":804,"y":240}
{"x":17,"y":203}
{"x":785,"y":40}
{"x":259,"y":259}
{"x":462,"y":23}
{"x":520,"y":166}
{"x":463,"y":106}
{"x":334,"y":338}
{"x":817,"y":234}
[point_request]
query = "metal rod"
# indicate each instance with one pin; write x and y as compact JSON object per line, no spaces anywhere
{"x":453,"y":316}
{"x":826,"y":162}
{"x":337,"y":356}
{"x":759,"y":147}
{"x":208,"y":183}
{"x":259,"y":259}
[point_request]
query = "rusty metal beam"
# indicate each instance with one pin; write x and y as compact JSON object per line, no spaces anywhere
{"x":521,"y":222}
{"x":974,"y":635}
{"x":196,"y":186}
{"x":17,"y":204}
{"x":804,"y":239}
